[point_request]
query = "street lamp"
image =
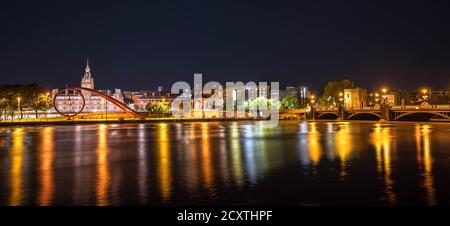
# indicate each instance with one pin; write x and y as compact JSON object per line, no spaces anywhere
{"x":424,"y":94}
{"x":341,"y":98}
{"x":384,"y":91}
{"x":18,"y":106}
{"x":312,"y":99}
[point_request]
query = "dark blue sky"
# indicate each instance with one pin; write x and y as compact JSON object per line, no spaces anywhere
{"x":142,"y":44}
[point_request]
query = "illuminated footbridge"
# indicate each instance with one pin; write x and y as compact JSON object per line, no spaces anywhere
{"x":74,"y":99}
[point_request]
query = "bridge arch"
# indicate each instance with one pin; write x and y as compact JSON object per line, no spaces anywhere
{"x":420,"y":115}
{"x":112,"y":100}
{"x":327,"y":115}
{"x":364,"y":115}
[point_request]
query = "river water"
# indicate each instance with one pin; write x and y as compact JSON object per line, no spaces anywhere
{"x":226,"y":163}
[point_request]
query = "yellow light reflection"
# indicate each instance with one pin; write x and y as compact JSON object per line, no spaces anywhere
{"x":381,"y":140}
{"x":164,"y":161}
{"x":46,"y":166}
{"x":343,"y":146}
{"x":16,"y":177}
{"x":103,"y":176}
{"x":425,"y":161}
{"x":314,"y":146}
{"x":236,"y":155}
{"x":207,"y":170}
{"x":191,"y":154}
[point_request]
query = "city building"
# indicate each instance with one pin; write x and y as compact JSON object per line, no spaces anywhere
{"x":289,"y":91}
{"x":440,"y":97}
{"x":355,"y":98}
{"x":303,"y":94}
{"x":70,"y":101}
{"x":300,"y":92}
{"x":140,"y":99}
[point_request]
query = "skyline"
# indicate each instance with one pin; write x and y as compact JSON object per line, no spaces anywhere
{"x":155,"y":86}
{"x":225,"y":111}
{"x":135,"y":45}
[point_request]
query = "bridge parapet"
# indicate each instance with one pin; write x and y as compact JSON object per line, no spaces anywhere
{"x":384,"y":112}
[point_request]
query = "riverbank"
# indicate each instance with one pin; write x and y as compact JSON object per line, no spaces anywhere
{"x":150,"y":120}
{"x":111,"y":121}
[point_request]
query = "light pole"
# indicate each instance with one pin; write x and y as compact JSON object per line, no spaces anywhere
{"x":18,"y":107}
{"x":48,"y":94}
{"x":341,"y":106}
{"x":312,"y":100}
{"x":377,"y":98}
{"x":424,"y":94}
{"x":384,"y":91}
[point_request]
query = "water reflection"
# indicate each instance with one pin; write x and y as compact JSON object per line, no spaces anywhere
{"x":143,"y":166}
{"x":343,"y":146}
{"x":82,"y":177}
{"x":381,"y":139}
{"x":425,"y":161}
{"x":224,"y":163}
{"x":46,"y":166}
{"x":16,"y":168}
{"x":224,"y":156}
{"x":191,"y":159}
{"x":164,"y":169}
{"x":314,"y":144}
{"x":207,"y":161}
{"x":103,"y":177}
{"x":236,"y":155}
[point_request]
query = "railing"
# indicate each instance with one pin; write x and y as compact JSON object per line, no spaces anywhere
{"x":430,"y":107}
{"x":410,"y":107}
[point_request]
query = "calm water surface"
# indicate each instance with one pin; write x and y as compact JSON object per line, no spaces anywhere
{"x":226,"y":163}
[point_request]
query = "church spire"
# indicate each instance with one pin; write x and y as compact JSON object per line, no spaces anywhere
{"x":87,"y":69}
{"x":87,"y":81}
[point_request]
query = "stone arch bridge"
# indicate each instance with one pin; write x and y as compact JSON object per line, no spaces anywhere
{"x":406,"y":113}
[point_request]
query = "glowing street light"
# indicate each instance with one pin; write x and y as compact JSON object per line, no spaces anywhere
{"x":341,"y":99}
{"x":312,"y":99}
{"x":424,"y":94}
{"x":384,"y":91}
{"x":18,"y":104}
{"x":377,"y":97}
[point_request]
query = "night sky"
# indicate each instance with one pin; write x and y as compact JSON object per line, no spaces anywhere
{"x":142,"y":44}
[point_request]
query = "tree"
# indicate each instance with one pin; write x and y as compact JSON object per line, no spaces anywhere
{"x":159,"y":107}
{"x":289,"y":102}
{"x":41,"y":102}
{"x":332,"y":89}
{"x":3,"y":104}
{"x":32,"y":97}
{"x":259,"y":102}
